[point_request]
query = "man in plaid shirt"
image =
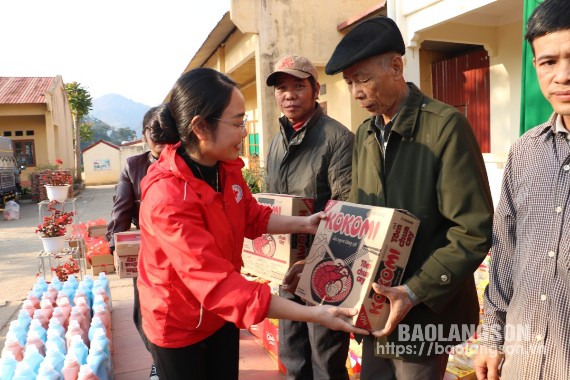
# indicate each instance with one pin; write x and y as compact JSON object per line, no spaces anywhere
{"x":526,"y":334}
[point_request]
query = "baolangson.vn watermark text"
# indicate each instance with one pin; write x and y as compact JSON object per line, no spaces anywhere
{"x":434,"y":339}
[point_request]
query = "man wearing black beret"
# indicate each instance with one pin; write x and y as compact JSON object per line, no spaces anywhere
{"x":421,"y":155}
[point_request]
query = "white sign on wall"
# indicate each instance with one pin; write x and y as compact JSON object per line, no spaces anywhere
{"x":100,"y":165}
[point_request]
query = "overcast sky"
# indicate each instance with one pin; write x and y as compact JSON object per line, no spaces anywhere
{"x":134,"y":48}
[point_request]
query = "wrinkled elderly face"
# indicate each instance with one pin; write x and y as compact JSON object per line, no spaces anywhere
{"x":373,"y":82}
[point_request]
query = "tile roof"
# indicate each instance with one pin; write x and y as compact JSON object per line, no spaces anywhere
{"x":100,"y":142}
{"x":24,"y":90}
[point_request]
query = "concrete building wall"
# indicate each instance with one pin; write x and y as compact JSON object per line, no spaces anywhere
{"x":102,"y":164}
{"x":59,"y":120}
{"x":127,"y":151}
{"x":277,"y":28}
{"x":506,"y":72}
{"x":341,"y":105}
{"x":494,"y":24}
{"x":488,"y":23}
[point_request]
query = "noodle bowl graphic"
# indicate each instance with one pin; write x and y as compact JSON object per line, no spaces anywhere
{"x":332,"y":279}
{"x":331,"y":282}
{"x":264,"y":245}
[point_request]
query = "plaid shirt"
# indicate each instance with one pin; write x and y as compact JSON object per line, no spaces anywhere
{"x":527,"y":301}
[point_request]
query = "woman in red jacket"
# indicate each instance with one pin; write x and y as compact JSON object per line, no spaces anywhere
{"x":196,"y":210}
{"x":128,"y":193}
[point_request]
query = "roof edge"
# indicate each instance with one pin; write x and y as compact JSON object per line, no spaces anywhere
{"x":100,"y":142}
{"x":360,"y":16}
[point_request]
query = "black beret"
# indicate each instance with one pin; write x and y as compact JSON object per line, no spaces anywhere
{"x":372,"y":37}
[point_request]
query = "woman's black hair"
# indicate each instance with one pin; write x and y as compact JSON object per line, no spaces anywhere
{"x":159,"y":122}
{"x":202,"y":91}
{"x":549,"y":16}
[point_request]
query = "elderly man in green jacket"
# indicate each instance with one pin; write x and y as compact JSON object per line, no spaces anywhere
{"x":418,"y":154}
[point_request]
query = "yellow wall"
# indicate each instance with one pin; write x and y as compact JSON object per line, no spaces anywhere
{"x":304,"y":27}
{"x":51,"y":124}
{"x":36,"y":125}
{"x":269,"y":30}
{"x":340,"y":104}
{"x":128,"y":151}
{"x":99,"y":154}
{"x":62,"y":120}
{"x":505,"y":73}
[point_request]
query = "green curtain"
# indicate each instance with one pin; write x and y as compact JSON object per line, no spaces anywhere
{"x":535,"y":109}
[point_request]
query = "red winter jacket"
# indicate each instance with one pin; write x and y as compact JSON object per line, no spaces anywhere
{"x":190,"y":257}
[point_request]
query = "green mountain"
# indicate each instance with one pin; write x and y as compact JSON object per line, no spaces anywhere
{"x":119,"y":112}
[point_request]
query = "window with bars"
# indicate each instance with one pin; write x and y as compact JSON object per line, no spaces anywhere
{"x":24,"y":150}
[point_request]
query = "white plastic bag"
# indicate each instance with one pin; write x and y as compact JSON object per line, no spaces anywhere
{"x":12,"y":210}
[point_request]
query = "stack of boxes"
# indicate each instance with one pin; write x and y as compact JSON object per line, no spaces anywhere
{"x":383,"y":247}
{"x":381,"y":238}
{"x":270,"y":256}
{"x":380,"y":251}
{"x":124,"y":261}
{"x":460,"y":365}
{"x":99,"y":258}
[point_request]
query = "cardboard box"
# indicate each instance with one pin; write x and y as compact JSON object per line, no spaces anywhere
{"x":77,"y":243}
{"x":77,"y":247}
{"x":102,"y":263}
{"x":271,"y":341}
{"x":127,"y":266}
{"x":459,"y":371}
{"x":127,"y":243}
{"x":96,"y":231}
{"x":355,"y":246}
{"x":270,"y":256}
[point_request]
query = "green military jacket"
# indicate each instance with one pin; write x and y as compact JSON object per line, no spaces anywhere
{"x":434,"y":169}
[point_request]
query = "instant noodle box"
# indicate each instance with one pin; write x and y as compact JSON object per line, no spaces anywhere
{"x":270,"y":256}
{"x":127,"y":245}
{"x":354,"y":247}
{"x":127,"y":266}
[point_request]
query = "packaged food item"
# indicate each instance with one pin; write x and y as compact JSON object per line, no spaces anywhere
{"x":354,"y":247}
{"x":271,"y":256}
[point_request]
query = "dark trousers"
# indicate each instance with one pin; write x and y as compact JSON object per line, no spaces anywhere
{"x":310,"y":351}
{"x":137,"y":318}
{"x":377,"y":368}
{"x":214,"y":358}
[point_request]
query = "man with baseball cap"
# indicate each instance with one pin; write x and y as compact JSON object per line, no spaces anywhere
{"x":311,"y":157}
{"x":421,"y":155}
